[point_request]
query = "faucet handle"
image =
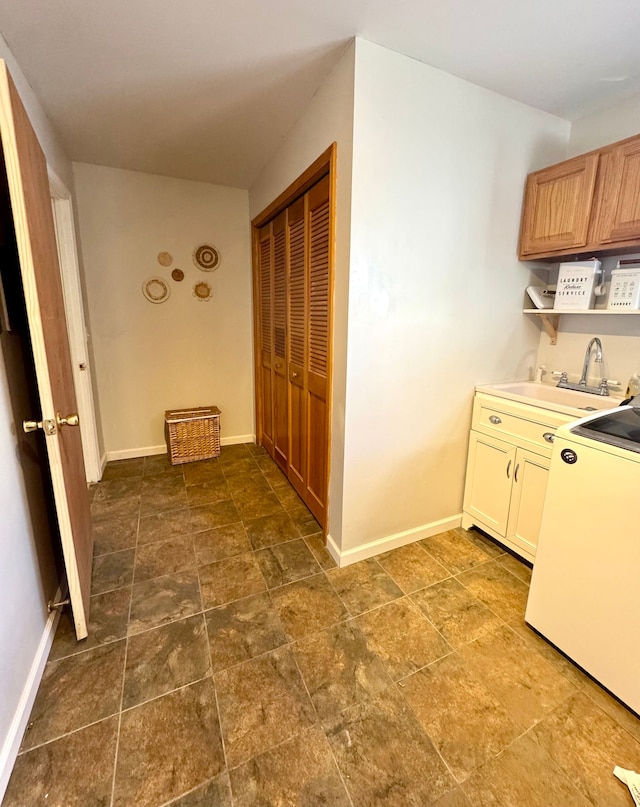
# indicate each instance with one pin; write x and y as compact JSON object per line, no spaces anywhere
{"x":564,"y":378}
{"x":606,"y":383}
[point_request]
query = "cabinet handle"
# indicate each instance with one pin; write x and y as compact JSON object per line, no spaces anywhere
{"x":495,"y":419}
{"x":515,"y":473}
{"x":549,"y":437}
{"x":508,"y":469}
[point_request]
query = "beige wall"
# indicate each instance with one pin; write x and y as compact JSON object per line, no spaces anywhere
{"x":435,"y":288}
{"x":327,"y":119}
{"x":182,"y":353}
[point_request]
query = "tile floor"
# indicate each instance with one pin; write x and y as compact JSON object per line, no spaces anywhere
{"x":231,"y":664}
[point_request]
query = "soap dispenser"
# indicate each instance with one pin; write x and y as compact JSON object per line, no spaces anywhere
{"x":633,"y":387}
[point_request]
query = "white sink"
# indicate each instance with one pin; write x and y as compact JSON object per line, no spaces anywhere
{"x":551,"y":397}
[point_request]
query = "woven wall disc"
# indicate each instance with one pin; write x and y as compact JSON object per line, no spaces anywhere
{"x":165,"y":259}
{"x":177,"y":275}
{"x":156,"y":290}
{"x":202,"y":291}
{"x":206,"y":258}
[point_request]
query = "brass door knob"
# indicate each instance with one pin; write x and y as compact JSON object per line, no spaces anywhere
{"x":69,"y":420}
{"x":48,"y":426}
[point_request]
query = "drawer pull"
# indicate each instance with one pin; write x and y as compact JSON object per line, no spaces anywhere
{"x":515,"y":473}
{"x":549,"y":437}
{"x":508,"y":469}
{"x":495,"y":419}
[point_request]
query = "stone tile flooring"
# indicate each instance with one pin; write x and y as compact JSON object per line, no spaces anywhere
{"x":230,"y":664}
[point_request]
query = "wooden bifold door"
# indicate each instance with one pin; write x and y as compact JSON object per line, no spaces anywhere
{"x":293,"y":260}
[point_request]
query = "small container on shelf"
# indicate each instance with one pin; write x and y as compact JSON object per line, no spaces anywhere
{"x":624,"y":291}
{"x":576,"y":289}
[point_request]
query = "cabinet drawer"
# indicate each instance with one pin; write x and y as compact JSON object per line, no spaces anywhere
{"x":494,"y":421}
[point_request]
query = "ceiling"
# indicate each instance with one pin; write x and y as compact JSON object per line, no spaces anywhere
{"x":206,"y":90}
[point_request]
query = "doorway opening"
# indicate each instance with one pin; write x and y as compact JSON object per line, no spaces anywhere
{"x":62,"y":206}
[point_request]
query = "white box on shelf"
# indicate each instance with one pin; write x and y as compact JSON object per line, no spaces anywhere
{"x":624,"y":291}
{"x":576,"y":285}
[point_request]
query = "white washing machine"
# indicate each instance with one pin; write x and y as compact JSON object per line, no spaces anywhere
{"x":585,"y":589}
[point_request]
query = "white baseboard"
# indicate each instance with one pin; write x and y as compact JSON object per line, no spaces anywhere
{"x":239,"y":438}
{"x":103,"y":463}
{"x":389,"y":542}
{"x":150,"y":451}
{"x":134,"y":453}
{"x":12,"y":741}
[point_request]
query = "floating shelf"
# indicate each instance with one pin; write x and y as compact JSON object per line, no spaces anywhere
{"x":551,"y":317}
{"x":545,"y":312}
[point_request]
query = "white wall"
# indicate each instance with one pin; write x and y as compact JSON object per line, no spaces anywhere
{"x":607,"y":126}
{"x":436,"y":289}
{"x":23,"y":618}
{"x":620,"y":335}
{"x":327,"y":119}
{"x":182,"y":353}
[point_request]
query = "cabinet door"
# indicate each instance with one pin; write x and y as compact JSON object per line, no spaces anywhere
{"x":280,"y":398}
{"x":527,"y":499}
{"x":620,"y":205}
{"x":265,"y":336}
{"x":557,"y":206}
{"x":487,"y":493}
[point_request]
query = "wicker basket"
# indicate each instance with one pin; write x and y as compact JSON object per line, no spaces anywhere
{"x":192,"y":434}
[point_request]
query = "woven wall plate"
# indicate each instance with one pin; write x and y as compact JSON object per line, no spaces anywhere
{"x":165,"y":258}
{"x":177,"y":275}
{"x":156,"y":290}
{"x":202,"y":291}
{"x":206,"y":258}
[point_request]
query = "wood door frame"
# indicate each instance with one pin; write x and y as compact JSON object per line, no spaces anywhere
{"x":324,"y":165}
{"x":63,"y":220}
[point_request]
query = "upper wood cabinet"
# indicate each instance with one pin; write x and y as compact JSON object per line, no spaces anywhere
{"x":620,"y":211}
{"x":587,"y":205}
{"x":557,"y":206}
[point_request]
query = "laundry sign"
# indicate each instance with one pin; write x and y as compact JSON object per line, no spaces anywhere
{"x":576,"y":289}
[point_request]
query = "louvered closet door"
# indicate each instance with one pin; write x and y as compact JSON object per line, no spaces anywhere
{"x":265,"y":260}
{"x":280,"y":396}
{"x":297,"y":283}
{"x":319,"y":228}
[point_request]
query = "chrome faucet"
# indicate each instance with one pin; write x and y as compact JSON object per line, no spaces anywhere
{"x":585,"y":367}
{"x":582,"y":386}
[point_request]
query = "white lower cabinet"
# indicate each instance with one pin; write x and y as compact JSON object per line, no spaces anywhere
{"x":487,"y":495}
{"x":527,"y":499}
{"x":509,"y":457}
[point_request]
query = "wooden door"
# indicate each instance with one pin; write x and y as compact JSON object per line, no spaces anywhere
{"x":620,"y":206}
{"x":28,"y":185}
{"x":487,"y":492}
{"x":318,"y":256}
{"x":280,"y":396}
{"x":527,"y":500}
{"x":265,"y":336}
{"x":298,"y":344}
{"x":557,"y":206}
{"x":293,"y":254}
